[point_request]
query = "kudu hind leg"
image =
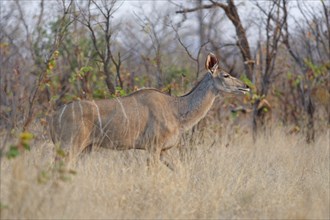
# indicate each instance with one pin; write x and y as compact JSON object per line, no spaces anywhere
{"x":157,"y":156}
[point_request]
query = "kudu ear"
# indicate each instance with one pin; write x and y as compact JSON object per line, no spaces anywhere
{"x":211,"y":62}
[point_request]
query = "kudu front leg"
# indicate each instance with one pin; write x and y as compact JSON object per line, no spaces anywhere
{"x":153,"y":157}
{"x":164,"y":157}
{"x":68,"y":152}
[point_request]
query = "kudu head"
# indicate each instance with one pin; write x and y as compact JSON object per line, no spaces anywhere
{"x":223,"y":81}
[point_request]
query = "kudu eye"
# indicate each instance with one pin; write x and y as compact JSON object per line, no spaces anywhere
{"x":225,"y":75}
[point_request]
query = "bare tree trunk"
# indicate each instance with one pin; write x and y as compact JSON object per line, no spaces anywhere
{"x":243,"y":44}
{"x":109,"y":79}
{"x":310,"y":133}
{"x":255,"y":119}
{"x":159,"y":72}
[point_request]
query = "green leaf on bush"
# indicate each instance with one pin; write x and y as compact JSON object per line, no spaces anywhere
{"x":60,"y":152}
{"x":12,"y":152}
{"x":248,"y":82}
{"x":26,"y":146}
{"x":26,"y":136}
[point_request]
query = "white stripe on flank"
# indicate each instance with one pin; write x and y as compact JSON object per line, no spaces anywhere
{"x":126,"y":131}
{"x":122,"y":107}
{"x":82,"y":113}
{"x":73,"y":114}
{"x":60,"y":118}
{"x":99,"y":116}
{"x":81,"y":110}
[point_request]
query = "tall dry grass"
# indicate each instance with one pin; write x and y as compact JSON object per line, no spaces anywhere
{"x":279,"y":177}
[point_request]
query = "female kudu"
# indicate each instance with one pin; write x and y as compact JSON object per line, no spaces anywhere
{"x":146,"y":119}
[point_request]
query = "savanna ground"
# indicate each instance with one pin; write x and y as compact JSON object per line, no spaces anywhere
{"x":278,"y":177}
{"x":55,"y":52}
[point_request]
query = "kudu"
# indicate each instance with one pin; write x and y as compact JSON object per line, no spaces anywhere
{"x":146,"y":119}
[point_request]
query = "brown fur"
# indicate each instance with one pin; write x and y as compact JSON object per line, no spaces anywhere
{"x":147,"y":119}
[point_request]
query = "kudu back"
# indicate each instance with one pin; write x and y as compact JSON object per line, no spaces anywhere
{"x":146,"y":119}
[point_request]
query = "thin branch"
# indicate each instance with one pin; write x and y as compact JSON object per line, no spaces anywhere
{"x":188,"y":10}
{"x":187,"y":50}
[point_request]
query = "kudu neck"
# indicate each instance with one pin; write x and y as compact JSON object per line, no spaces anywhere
{"x":194,"y":105}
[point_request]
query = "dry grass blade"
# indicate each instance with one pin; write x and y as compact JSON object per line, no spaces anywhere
{"x":277,"y":179}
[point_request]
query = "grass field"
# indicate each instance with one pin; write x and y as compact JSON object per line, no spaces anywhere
{"x":279,"y":177}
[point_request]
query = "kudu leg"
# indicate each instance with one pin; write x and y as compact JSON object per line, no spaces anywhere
{"x":164,"y":157}
{"x":69,"y":151}
{"x":160,"y":155}
{"x":153,"y":157}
